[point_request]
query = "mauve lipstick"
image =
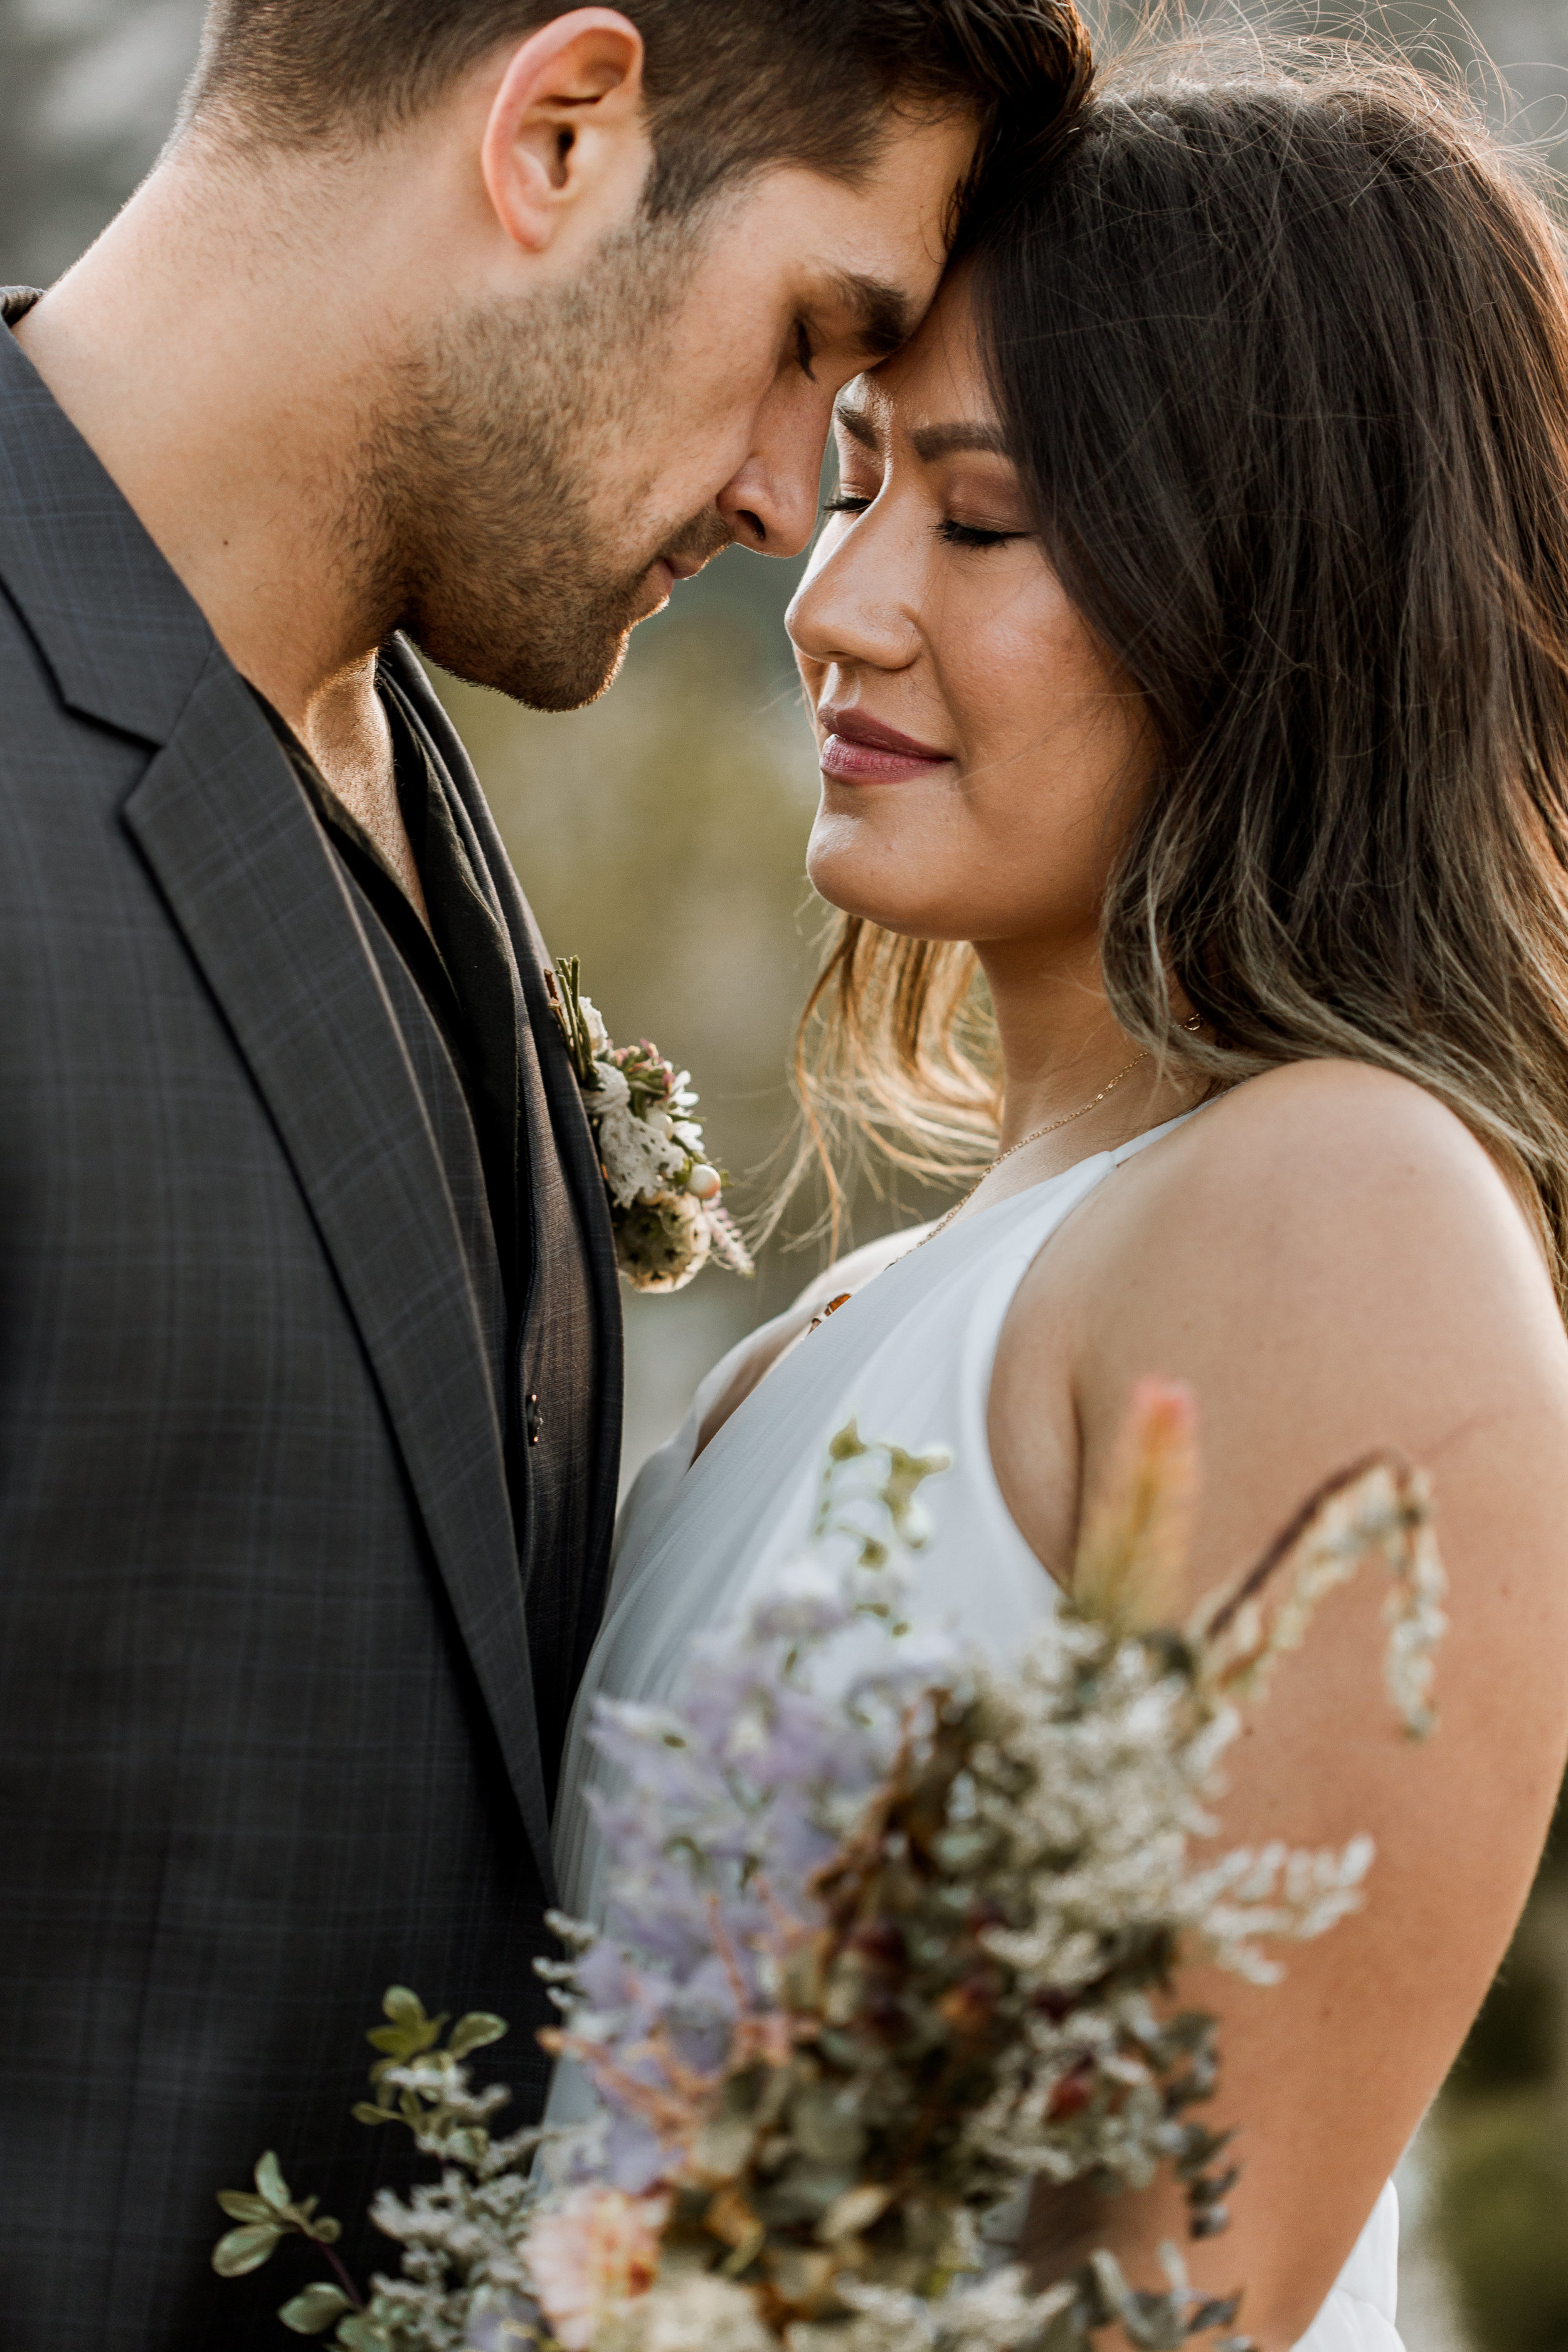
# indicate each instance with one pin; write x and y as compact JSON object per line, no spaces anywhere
{"x":857,"y":749}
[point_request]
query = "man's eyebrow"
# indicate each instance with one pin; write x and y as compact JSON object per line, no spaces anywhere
{"x":886,"y":317}
{"x":930,"y":442}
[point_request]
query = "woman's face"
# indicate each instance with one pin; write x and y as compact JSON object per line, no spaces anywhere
{"x":979,"y":755}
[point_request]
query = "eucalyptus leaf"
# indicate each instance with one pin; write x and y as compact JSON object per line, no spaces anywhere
{"x":357,"y":2334}
{"x":246,"y":2250}
{"x":407,"y":2035}
{"x":241,"y":2205}
{"x":723,"y":2147}
{"x":270,"y":2181}
{"x":474,"y":2031}
{"x":313,"y":2312}
{"x":405,"y":2008}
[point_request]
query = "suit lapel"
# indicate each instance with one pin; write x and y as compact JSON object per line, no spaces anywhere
{"x":552,"y":1100}
{"x":253,"y":885}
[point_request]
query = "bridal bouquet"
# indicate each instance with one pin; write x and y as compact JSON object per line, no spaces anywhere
{"x":887,"y":1934}
{"x":664,"y":1194}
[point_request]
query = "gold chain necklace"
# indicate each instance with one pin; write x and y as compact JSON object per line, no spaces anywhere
{"x":1035,"y":1136}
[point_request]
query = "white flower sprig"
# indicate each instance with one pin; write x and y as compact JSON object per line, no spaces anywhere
{"x":875,"y":1955}
{"x":664,"y":1192}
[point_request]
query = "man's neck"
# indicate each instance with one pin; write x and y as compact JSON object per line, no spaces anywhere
{"x":351,"y":743}
{"x":197,"y":366}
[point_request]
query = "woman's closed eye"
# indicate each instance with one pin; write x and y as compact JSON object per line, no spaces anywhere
{"x":950,"y":530}
{"x":954,"y":533}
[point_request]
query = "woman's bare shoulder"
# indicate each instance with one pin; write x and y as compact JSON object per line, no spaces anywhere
{"x":1337,"y":1208}
{"x":1324,"y":1173}
{"x":1330,"y":1109}
{"x":1332,"y":1262}
{"x":1335,"y":1266}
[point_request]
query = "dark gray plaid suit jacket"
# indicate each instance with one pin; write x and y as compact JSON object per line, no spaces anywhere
{"x":267,"y":1725}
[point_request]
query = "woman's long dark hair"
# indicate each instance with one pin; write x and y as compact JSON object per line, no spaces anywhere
{"x":1285,"y":357}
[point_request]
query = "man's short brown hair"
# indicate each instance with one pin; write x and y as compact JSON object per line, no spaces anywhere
{"x":734,"y":86}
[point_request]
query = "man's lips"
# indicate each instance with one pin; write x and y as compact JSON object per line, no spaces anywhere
{"x":665,"y":569}
{"x":668,"y":569}
{"x":861,"y":750}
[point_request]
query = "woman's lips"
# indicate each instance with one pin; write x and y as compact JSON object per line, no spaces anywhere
{"x":861,"y":750}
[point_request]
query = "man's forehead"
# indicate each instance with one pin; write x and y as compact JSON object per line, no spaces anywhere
{"x":891,"y":224}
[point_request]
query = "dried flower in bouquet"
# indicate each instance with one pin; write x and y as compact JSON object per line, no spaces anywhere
{"x":664,"y":1195}
{"x":888,"y":1938}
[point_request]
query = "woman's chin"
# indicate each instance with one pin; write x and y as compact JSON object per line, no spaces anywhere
{"x":853,"y":870}
{"x":859,"y":894}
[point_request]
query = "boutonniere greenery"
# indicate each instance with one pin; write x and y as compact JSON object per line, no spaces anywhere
{"x":664,"y":1191}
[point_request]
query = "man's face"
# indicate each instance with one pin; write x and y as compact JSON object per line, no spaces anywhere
{"x":547,"y":472}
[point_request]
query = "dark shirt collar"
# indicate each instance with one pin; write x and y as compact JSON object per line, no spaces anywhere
{"x":461,"y":963}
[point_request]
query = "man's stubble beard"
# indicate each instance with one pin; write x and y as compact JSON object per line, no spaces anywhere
{"x":483,"y":463}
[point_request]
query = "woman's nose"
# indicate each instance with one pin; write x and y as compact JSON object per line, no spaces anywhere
{"x":855,"y":603}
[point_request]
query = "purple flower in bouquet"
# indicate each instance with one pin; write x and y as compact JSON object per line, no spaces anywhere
{"x":887,"y":1937}
{"x":886,"y":1925}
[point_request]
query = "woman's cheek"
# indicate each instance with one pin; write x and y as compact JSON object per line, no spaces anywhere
{"x":997,"y":663}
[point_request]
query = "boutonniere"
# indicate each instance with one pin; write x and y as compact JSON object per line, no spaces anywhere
{"x":664,"y":1192}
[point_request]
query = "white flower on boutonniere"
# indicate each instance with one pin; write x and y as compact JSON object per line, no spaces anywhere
{"x":664,"y":1192}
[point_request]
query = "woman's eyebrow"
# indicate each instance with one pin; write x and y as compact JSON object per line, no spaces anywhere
{"x":930,"y":442}
{"x":858,"y":425}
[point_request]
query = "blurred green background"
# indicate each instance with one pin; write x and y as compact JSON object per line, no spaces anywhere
{"x":660,"y":836}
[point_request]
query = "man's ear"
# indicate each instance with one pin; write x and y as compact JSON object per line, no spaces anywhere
{"x":567,"y":131}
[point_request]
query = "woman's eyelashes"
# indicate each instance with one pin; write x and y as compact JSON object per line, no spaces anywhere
{"x":950,"y":530}
{"x":974,"y":534}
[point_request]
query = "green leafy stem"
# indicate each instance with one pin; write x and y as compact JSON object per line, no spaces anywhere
{"x":565,"y":987}
{"x":270,"y":2213}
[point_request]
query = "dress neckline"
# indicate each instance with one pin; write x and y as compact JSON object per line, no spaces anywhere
{"x":1116,"y":1155}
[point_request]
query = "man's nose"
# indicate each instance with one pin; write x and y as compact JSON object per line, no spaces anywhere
{"x":771,"y":503}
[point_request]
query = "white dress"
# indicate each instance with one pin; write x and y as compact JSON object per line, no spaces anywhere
{"x":910,"y":1358}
